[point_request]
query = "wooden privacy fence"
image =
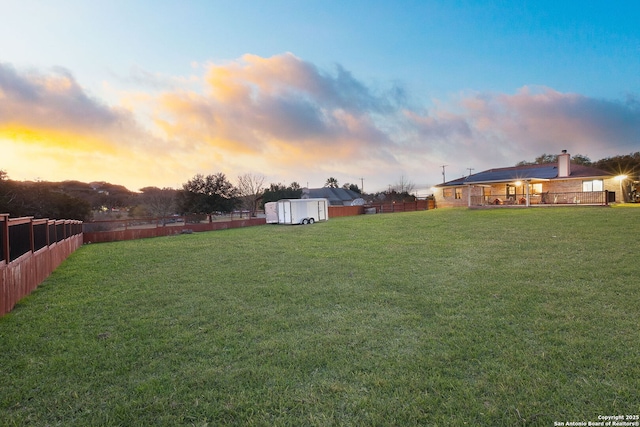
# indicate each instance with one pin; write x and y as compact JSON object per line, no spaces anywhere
{"x":118,"y":230}
{"x":338,"y":211}
{"x":31,"y":249}
{"x":418,"y":205}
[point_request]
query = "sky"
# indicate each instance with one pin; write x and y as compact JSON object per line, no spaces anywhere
{"x":374,"y":93}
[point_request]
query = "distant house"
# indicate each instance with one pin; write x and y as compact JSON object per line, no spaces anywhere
{"x":336,"y":196}
{"x":561,"y":183}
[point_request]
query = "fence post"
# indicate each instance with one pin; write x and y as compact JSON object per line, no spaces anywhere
{"x":5,"y":237}
{"x":48,"y":234}
{"x":32,"y":236}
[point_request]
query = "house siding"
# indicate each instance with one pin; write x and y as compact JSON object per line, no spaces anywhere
{"x":573,"y":185}
{"x":445,"y":197}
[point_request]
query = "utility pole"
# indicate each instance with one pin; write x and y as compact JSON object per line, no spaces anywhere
{"x":362,"y":185}
{"x":443,"y":178}
{"x":470,"y":169}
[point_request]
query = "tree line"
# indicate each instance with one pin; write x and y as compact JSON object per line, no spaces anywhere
{"x":210,"y":194}
{"x":207,"y":194}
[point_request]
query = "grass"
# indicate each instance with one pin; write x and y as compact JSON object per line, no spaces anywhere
{"x":445,"y":317}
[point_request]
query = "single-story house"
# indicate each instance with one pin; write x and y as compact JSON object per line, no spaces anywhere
{"x":541,"y":184}
{"x":336,"y":196}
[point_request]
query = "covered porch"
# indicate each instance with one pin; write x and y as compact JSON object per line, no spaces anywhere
{"x":546,"y":198}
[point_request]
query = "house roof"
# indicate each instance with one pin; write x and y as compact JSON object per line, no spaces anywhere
{"x":544,"y":172}
{"x":334,"y":195}
{"x":509,"y":174}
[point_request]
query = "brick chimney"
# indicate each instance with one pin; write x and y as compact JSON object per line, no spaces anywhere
{"x":564,"y":164}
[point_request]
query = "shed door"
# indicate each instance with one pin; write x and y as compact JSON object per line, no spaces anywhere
{"x":284,"y":213}
{"x":321,"y":211}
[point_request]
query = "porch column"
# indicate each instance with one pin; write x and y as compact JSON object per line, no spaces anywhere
{"x":469,"y":187}
{"x":526,"y":183}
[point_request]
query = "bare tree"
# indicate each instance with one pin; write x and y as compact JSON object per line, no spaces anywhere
{"x":250,"y":188}
{"x":404,"y":185}
{"x":160,"y":202}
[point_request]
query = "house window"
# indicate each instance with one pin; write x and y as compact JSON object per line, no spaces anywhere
{"x":593,"y":185}
{"x":535,"y":188}
{"x":458,"y":193}
{"x":447,"y":192}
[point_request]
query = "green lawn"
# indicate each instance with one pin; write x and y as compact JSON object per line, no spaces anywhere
{"x":446,"y":317}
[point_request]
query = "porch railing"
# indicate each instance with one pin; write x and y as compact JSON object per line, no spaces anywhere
{"x":569,"y":198}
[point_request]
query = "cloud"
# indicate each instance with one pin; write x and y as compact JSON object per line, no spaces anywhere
{"x":549,"y":118}
{"x":495,"y":129}
{"x":279,"y":106}
{"x":286,"y":75}
{"x":40,"y":108}
{"x":51,"y":126}
{"x":290,"y":120}
{"x":544,"y":117}
{"x":57,"y":96}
